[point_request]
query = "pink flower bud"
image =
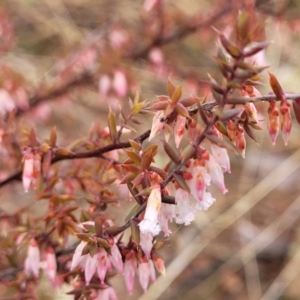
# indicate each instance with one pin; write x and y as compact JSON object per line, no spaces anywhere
{"x":286,"y":121}
{"x":28,"y":170}
{"x":130,"y":267}
{"x":152,"y":270}
{"x":146,"y":243}
{"x":104,"y":264}
{"x":273,"y":121}
{"x":144,"y":274}
{"x":116,"y":258}
{"x":159,"y":264}
{"x":231,"y":128}
{"x":90,"y":267}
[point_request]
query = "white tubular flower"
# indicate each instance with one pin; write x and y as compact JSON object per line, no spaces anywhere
{"x":150,"y":222}
{"x":77,"y":257}
{"x":32,"y":261}
{"x":221,"y":156}
{"x":185,"y":211}
{"x":206,"y":202}
{"x":216,"y":173}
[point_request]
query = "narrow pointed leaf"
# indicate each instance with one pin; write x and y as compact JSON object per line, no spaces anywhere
{"x":135,"y":145}
{"x":177,"y":94}
{"x":170,"y":151}
{"x":135,"y":231}
{"x":181,"y":182}
{"x":171,"y":88}
{"x":136,"y":158}
{"x":276,"y":87}
{"x":112,"y":124}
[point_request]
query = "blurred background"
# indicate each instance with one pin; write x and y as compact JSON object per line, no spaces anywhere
{"x":247,"y":246}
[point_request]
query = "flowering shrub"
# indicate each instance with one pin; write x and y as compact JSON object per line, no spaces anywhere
{"x":80,"y":243}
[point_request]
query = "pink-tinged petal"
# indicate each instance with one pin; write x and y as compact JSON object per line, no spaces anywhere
{"x":168,"y":130}
{"x":185,"y":211}
{"x":107,"y":294}
{"x":130,"y":266}
{"x":152,"y":270}
{"x":221,"y":156}
{"x":104,"y":85}
{"x":150,"y":222}
{"x":198,"y":182}
{"x":144,"y":275}
{"x":166,"y":214}
{"x":28,"y":170}
{"x":104,"y":264}
{"x":32,"y":261}
{"x":216,"y":173}
{"x":116,"y":258}
{"x":120,"y":83}
{"x":90,"y":267}
{"x":157,"y":125}
{"x":78,"y":257}
{"x":179,"y":129}
{"x":164,"y":224}
{"x":146,"y":243}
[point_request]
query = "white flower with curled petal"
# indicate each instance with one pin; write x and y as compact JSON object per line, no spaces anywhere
{"x":150,"y":222}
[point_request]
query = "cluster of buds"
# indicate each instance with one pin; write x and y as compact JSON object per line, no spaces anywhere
{"x":283,"y":113}
{"x":98,"y":252}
